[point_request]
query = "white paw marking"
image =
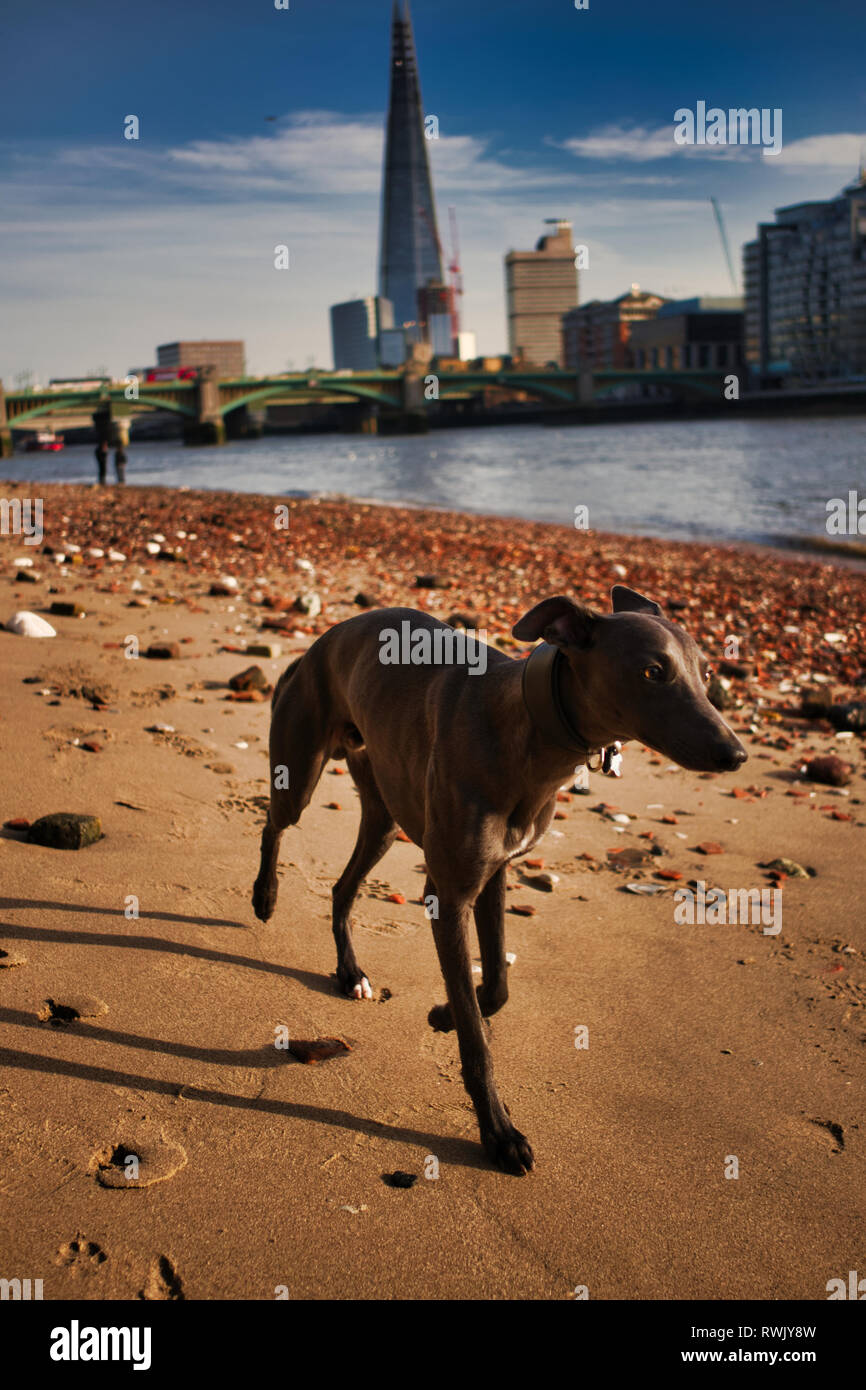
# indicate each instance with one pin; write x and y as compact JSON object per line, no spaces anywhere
{"x":363,"y":990}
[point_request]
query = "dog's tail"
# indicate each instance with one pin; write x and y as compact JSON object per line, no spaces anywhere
{"x":301,"y":737}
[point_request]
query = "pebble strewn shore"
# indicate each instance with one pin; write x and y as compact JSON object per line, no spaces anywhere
{"x":792,"y":618}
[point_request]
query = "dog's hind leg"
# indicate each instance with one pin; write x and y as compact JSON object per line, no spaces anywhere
{"x":265,"y":886}
{"x":489,"y":912}
{"x":376,"y":834}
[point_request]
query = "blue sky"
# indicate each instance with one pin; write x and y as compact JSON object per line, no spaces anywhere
{"x":109,"y":246}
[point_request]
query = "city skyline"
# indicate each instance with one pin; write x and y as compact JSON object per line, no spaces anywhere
{"x":111,"y":246}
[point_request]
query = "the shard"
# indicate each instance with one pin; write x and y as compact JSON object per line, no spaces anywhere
{"x":409,"y":252}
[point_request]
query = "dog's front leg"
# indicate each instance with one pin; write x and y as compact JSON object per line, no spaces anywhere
{"x":489,"y":912}
{"x":505,"y":1145}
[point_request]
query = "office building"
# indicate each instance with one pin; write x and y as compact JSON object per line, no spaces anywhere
{"x":597,"y":334}
{"x":540,"y":287}
{"x":703,"y":332}
{"x":805,"y":283}
{"x":226,"y":355}
{"x":355,"y":329}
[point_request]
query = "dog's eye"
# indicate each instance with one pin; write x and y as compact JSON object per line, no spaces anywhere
{"x":653,"y":672}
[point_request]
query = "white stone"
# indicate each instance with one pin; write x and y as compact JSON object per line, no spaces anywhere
{"x":30,"y":625}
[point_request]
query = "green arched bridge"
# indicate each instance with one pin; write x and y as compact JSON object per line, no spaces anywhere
{"x":205,"y":403}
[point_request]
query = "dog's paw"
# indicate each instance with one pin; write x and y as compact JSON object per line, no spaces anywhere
{"x":511,"y":1151}
{"x":441,"y":1019}
{"x":264,"y":901}
{"x":355,"y":985}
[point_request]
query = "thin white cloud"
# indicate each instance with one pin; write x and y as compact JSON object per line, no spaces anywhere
{"x":640,"y":144}
{"x":304,"y":154}
{"x":314,"y":152}
{"x":843,"y":152}
{"x":616,"y":142}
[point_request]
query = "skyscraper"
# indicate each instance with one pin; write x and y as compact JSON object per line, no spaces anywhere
{"x":409,"y":253}
{"x":541,"y":286}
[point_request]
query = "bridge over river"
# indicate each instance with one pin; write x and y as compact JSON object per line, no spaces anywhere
{"x":400,"y":399}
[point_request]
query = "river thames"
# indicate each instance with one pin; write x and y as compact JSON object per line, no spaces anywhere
{"x":764,"y":481}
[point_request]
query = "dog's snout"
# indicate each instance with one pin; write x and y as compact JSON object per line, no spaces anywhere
{"x":732,"y":757}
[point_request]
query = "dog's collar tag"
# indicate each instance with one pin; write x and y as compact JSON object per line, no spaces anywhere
{"x":611,"y":760}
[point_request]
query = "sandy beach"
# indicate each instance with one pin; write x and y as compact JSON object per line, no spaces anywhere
{"x":140,"y":998}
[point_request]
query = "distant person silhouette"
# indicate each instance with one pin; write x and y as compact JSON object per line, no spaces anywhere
{"x":120,"y":463}
{"x":102,"y":461}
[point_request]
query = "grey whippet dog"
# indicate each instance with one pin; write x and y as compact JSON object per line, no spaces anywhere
{"x":469,"y":766}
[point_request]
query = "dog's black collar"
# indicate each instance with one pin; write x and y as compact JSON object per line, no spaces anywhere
{"x":543,"y":700}
{"x":542,"y":697}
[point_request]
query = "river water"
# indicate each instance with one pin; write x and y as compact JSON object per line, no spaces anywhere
{"x":756,"y":481}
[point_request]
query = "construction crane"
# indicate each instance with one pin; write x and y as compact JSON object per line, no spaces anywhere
{"x":724,"y":239}
{"x":456,"y":275}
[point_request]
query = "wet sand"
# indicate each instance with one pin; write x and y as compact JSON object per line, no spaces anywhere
{"x":257,"y":1173}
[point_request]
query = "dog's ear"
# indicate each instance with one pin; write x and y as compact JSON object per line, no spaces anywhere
{"x":559,"y":621}
{"x":630,"y":601}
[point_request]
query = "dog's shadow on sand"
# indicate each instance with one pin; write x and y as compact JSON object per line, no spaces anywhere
{"x":132,"y":938}
{"x":455,"y":1151}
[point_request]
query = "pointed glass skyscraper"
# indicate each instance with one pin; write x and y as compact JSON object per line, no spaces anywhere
{"x":409,"y":252}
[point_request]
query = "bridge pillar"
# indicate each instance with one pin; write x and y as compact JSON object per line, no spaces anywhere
{"x":209,"y":425}
{"x":585,"y":388}
{"x":413,"y":418}
{"x":5,"y":432}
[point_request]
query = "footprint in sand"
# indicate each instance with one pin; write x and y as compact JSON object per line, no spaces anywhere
{"x":81,"y":1256}
{"x":138,"y":1161}
{"x":71,"y":1009}
{"x":835,"y":1133}
{"x":9,"y":959}
{"x":163,"y":1284}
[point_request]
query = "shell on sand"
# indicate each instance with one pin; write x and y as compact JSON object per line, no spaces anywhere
{"x":30,"y":625}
